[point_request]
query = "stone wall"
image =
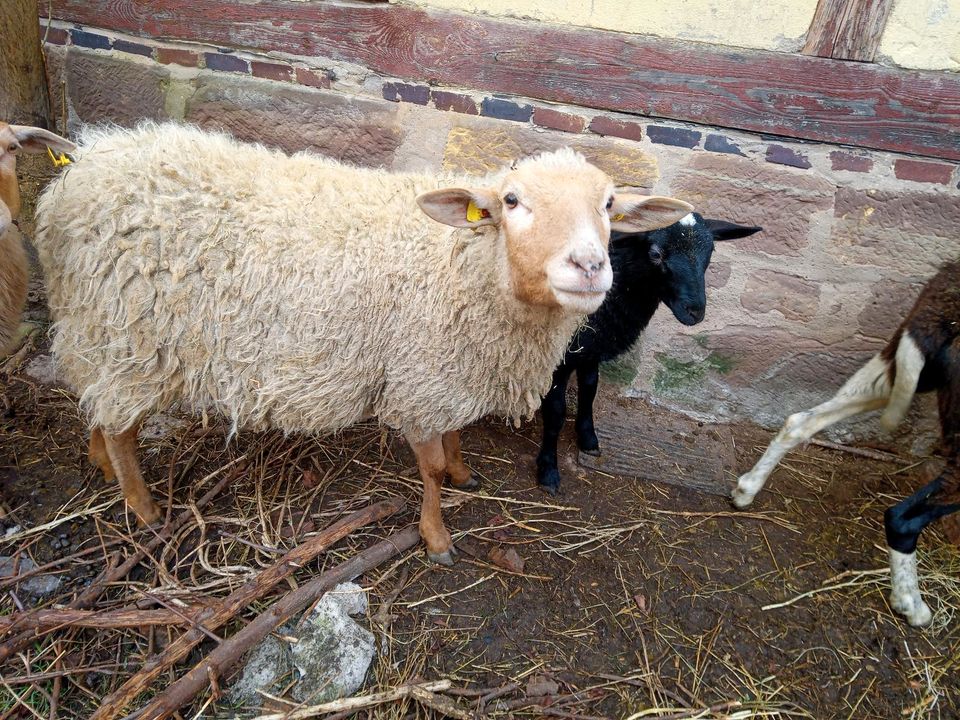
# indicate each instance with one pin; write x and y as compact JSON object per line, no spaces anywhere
{"x":849,"y":235}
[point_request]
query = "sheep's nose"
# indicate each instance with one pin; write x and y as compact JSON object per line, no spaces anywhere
{"x":589,"y":266}
{"x":696,"y":312}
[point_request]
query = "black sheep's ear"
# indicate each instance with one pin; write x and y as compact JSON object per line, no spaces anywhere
{"x":723,"y":230}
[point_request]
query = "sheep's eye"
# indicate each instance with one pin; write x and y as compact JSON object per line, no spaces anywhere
{"x":511,"y":200}
{"x":13,"y":147}
{"x":610,"y":202}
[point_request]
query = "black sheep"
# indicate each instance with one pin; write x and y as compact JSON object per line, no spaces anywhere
{"x":667,"y":266}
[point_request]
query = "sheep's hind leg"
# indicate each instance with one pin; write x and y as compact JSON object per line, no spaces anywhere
{"x":867,"y":389}
{"x":432,"y":463}
{"x":97,"y":454}
{"x":903,"y":523}
{"x":553,"y":411}
{"x":461,"y":477}
{"x":121,"y":452}
{"x":588,"y":380}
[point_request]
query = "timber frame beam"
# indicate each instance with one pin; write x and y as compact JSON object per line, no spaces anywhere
{"x":791,"y":95}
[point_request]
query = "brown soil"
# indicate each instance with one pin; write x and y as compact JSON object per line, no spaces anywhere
{"x":635,"y":596}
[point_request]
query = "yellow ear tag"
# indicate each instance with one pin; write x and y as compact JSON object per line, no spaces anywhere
{"x":618,"y":217}
{"x":58,"y":161}
{"x":475,"y":213}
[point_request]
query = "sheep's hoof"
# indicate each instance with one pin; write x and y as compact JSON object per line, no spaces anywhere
{"x":588,"y":442}
{"x":471,"y":483}
{"x":552,"y":489}
{"x":447,"y":557}
{"x":742,"y":500}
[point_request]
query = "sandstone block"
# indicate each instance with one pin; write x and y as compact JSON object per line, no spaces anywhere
{"x":104,"y":88}
{"x":292,"y":117}
{"x":793,"y":297}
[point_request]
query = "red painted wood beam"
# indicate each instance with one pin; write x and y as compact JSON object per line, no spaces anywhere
{"x":791,"y":95}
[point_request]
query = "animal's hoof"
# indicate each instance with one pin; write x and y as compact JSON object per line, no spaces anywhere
{"x":552,"y":489}
{"x":447,"y":557}
{"x":915,"y":610}
{"x":588,"y":443}
{"x":594,"y":451}
{"x":151,"y":515}
{"x":471,"y":483}
{"x":741,"y":499}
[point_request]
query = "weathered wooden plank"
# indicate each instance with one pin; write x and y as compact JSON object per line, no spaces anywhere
{"x":862,"y":27}
{"x":665,"y":448}
{"x":847,"y":29}
{"x":790,"y":95}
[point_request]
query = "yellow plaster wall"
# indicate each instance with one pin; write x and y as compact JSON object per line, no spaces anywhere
{"x":763,"y":24}
{"x":923,"y":34}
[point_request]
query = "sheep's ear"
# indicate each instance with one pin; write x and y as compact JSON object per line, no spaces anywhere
{"x":36,"y":140}
{"x":461,"y":207}
{"x":632,"y":212}
{"x":723,"y":230}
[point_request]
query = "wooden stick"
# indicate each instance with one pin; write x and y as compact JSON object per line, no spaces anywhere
{"x":862,"y":452}
{"x":222,"y":658}
{"x":252,"y":590}
{"x":52,"y":619}
{"x":353,"y":704}
{"x":113,"y":572}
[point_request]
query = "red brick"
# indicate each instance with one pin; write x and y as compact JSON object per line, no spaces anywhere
{"x":313,"y":78}
{"x":54,"y":36}
{"x":178,"y":56}
{"x":271,"y":71}
{"x":556,"y":120}
{"x":602,"y":125}
{"x":920,"y":171}
{"x":840,"y":160}
{"x":455,"y":102}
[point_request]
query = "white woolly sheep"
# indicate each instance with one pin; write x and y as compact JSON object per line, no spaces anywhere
{"x":14,"y":269}
{"x":923,"y":355}
{"x":304,"y":294}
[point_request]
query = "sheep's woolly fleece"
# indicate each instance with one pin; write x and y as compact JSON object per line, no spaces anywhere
{"x":187,"y":268}
{"x":13,"y":281}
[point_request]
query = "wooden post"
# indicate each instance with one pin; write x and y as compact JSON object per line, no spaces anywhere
{"x":23,"y":90}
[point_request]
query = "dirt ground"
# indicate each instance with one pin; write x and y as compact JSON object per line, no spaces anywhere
{"x":636,"y":599}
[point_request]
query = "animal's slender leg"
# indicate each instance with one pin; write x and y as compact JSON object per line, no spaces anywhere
{"x":554,"y":411}
{"x":867,"y":389}
{"x":122,"y":454}
{"x":97,"y":454}
{"x":903,"y":523}
{"x":432,"y":463}
{"x":460,"y":475}
{"x":588,"y":379}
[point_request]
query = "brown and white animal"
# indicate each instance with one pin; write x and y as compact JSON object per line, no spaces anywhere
{"x":303,"y":294}
{"x":923,"y":355}
{"x":14,"y":268}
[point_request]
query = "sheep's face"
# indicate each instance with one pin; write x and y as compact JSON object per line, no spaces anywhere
{"x":554,"y":213}
{"x":15,"y":139}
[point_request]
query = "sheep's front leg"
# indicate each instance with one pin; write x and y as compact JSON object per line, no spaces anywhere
{"x":121,"y":452}
{"x":903,"y":523}
{"x":588,"y":380}
{"x":461,"y":477}
{"x":553,"y":411}
{"x":868,"y":389}
{"x":432,"y":464}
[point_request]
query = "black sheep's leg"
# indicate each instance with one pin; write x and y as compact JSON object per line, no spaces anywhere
{"x":903,"y":523}
{"x":588,"y":379}
{"x":554,"y":411}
